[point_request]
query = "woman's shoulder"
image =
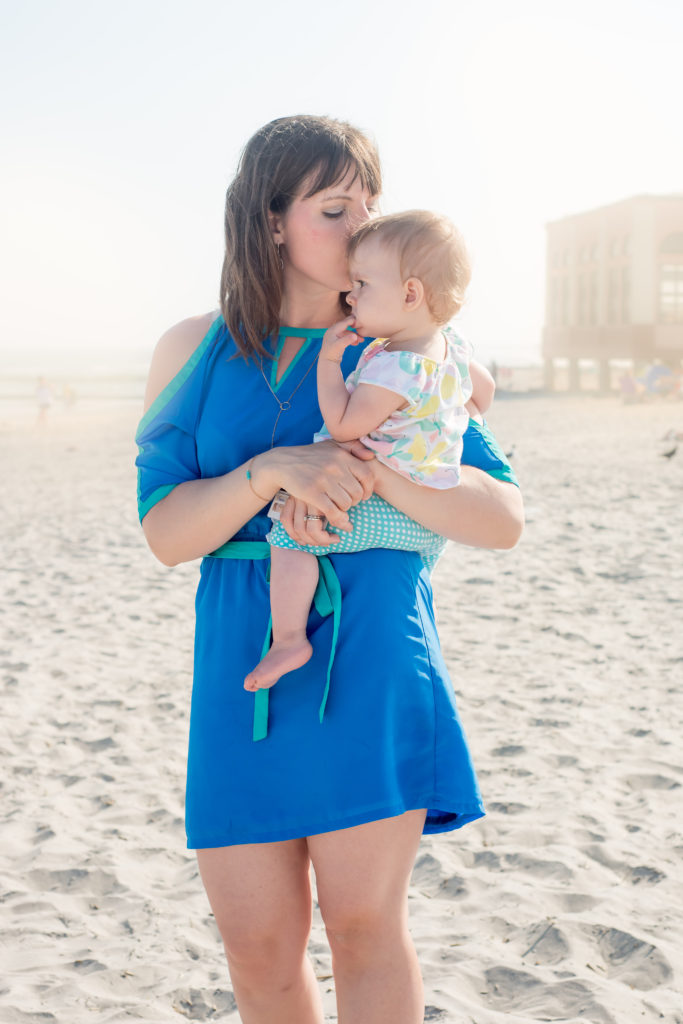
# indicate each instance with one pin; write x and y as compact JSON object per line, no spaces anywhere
{"x":173,"y":350}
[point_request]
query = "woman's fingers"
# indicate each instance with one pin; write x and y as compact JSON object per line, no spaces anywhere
{"x":315,"y":528}
{"x":326,"y":477}
{"x":301,"y":522}
{"x":357,"y":448}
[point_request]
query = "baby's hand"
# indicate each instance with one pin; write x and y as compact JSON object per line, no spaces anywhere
{"x":337,"y":338}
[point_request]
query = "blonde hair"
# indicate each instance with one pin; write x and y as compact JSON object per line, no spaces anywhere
{"x":430,"y":248}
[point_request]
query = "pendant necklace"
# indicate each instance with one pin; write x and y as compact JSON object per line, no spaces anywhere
{"x":287,"y":404}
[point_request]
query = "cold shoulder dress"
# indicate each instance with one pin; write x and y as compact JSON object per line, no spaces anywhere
{"x":367,"y":733}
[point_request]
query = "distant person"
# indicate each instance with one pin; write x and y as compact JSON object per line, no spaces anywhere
{"x":409,"y":399}
{"x":657,"y":379}
{"x":631,"y":387}
{"x":44,"y":400}
{"x":275,"y":787}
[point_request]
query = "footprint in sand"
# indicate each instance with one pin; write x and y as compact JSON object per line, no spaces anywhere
{"x":546,"y":944}
{"x":547,"y":869}
{"x":428,"y":878}
{"x":635,"y":875}
{"x":197,"y":1005}
{"x":93,"y":883}
{"x":506,"y":808}
{"x":520,"y":992}
{"x":651,"y":782}
{"x":511,"y":750}
{"x":634,"y":962}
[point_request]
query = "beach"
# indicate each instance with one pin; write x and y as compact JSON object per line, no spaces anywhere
{"x":565,"y":903}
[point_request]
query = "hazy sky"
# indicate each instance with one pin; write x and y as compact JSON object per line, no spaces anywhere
{"x":123,"y":122}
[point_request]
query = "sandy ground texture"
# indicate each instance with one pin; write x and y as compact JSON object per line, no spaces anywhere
{"x":564,"y":904}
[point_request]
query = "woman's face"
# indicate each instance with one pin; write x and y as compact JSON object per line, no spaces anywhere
{"x":314,"y":232}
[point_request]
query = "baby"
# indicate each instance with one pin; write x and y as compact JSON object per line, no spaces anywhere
{"x":408,"y":399}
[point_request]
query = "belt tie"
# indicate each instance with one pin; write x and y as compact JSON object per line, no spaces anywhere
{"x":327,"y":601}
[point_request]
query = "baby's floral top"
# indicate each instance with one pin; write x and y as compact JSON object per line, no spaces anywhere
{"x":424,"y":440}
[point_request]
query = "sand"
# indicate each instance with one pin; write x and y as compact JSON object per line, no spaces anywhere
{"x":564,"y":904}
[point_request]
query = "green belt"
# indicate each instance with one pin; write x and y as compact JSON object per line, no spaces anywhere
{"x":327,"y":601}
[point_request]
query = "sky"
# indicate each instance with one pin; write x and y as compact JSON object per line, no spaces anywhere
{"x":123,"y":123}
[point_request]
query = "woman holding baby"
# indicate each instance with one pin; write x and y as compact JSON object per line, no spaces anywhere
{"x":351,"y":757}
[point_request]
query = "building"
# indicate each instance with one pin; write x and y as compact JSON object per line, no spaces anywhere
{"x":615,"y":286}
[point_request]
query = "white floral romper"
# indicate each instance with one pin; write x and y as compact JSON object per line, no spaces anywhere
{"x":422,"y":441}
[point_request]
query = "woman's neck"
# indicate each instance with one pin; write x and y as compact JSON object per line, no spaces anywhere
{"x":321,"y":309}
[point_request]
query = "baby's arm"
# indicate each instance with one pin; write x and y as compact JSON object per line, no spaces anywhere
{"x":348,"y":416}
{"x":483,"y":387}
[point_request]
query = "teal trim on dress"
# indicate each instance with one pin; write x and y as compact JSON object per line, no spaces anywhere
{"x":255,"y":549}
{"x":507,"y":474}
{"x":162,"y":399}
{"x":307,"y":334}
{"x":327,"y":600}
{"x":155,"y":497}
{"x":181,"y":376}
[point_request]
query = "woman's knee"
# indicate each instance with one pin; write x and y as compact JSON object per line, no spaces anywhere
{"x":359,"y":927}
{"x":257,"y":942}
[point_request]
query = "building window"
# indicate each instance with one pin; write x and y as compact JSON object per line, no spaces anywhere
{"x":672,"y":243}
{"x":612,"y":295}
{"x":564,"y":313}
{"x":671,"y":293}
{"x":553,"y":311}
{"x":582,"y":301}
{"x":593,"y":298}
{"x":625,"y":295}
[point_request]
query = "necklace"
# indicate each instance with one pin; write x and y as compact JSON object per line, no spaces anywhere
{"x":287,"y":404}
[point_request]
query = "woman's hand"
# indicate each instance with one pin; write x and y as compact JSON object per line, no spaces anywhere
{"x":297,"y":519}
{"x":328,"y":477}
{"x":306,"y":524}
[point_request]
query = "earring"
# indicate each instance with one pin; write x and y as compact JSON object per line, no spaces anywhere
{"x":279,"y":256}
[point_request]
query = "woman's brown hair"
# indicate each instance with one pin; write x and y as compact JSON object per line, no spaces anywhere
{"x":276,"y":163}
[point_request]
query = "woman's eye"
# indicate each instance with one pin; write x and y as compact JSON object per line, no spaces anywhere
{"x":333,"y":213}
{"x":361,"y":284}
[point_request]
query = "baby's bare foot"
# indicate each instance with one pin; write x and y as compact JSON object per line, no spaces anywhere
{"x":284,"y":656}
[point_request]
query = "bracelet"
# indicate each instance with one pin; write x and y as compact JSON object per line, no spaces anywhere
{"x":253,"y":490}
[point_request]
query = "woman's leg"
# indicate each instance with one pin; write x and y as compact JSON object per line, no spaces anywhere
{"x":261,"y":898}
{"x":363,"y":875}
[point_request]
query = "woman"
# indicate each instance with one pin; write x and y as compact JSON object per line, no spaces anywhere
{"x":346,"y":777}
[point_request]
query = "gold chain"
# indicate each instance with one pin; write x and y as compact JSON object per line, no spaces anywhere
{"x":287,"y":404}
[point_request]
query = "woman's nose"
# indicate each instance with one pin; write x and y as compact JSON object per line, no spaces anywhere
{"x":359,"y":215}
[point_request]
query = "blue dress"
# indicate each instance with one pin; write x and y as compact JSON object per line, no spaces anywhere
{"x":391,"y":738}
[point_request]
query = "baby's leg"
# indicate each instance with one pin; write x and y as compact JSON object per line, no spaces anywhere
{"x":293,"y":579}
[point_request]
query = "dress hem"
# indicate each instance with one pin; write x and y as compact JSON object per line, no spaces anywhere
{"x":463,"y":814}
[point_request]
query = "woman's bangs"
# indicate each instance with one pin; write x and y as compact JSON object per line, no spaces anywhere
{"x":336,"y":164}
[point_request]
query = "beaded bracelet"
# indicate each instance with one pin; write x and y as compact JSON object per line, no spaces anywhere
{"x":253,"y":489}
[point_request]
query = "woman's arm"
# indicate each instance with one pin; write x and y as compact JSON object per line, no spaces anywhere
{"x":481,"y":511}
{"x":483,"y":386}
{"x":197,"y":516}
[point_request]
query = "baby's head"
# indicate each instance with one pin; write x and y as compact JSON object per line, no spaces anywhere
{"x":417,"y":245}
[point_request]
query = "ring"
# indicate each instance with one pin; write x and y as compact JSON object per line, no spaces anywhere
{"x":306,"y":518}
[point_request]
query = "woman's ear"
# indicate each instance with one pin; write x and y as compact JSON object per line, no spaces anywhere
{"x":413,"y":294}
{"x":275,"y":223}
